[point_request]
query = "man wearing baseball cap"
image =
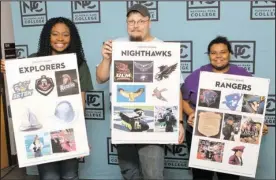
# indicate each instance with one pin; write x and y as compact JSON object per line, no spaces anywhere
{"x":229,"y":130}
{"x":149,"y":158}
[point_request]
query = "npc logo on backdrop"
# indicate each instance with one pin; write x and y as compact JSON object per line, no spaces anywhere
{"x":151,"y":5}
{"x":203,"y":10}
{"x":176,"y":156}
{"x":244,"y":54}
{"x":33,"y":13}
{"x":21,"y":51}
{"x":94,"y":105}
{"x":112,"y":155}
{"x":84,"y":12}
{"x":270,"y":110}
{"x":262,"y":10}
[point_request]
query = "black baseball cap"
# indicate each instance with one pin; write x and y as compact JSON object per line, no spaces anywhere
{"x":231,"y":118}
{"x":143,"y":10}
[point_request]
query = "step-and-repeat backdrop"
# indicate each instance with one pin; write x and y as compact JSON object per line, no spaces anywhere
{"x":250,"y":26}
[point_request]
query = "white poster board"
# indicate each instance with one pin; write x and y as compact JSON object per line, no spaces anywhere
{"x":228,"y":123}
{"x":145,"y":92}
{"x":47,"y":109}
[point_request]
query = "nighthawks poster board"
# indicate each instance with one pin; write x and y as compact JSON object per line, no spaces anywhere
{"x":229,"y":118}
{"x":47,"y":109}
{"x":145,"y":92}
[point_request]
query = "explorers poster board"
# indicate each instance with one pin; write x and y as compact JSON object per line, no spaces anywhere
{"x":47,"y":109}
{"x":145,"y":92}
{"x":228,"y":123}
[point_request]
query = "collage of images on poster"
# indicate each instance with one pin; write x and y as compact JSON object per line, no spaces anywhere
{"x":148,"y":84}
{"x":51,"y":132}
{"x":231,"y":137}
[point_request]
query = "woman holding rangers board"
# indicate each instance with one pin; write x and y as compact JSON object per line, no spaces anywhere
{"x":219,"y":51}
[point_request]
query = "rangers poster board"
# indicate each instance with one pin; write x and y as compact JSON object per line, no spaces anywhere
{"x":228,"y":123}
{"x":47,"y":109}
{"x":145,"y":92}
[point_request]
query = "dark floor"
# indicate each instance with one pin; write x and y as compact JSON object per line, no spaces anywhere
{"x":14,"y":172}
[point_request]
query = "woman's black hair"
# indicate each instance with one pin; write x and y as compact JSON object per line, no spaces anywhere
{"x":220,"y":40}
{"x":75,"y":46}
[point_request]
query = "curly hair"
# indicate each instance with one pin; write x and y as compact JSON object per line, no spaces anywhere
{"x":75,"y":46}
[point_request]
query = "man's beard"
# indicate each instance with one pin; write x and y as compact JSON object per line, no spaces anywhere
{"x":136,"y":39}
{"x":221,"y":67}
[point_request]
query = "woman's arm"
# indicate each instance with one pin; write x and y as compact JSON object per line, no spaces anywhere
{"x":187,"y":108}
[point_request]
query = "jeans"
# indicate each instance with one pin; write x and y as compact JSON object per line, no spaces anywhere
{"x":200,"y":174}
{"x":139,"y":161}
{"x":65,"y":170}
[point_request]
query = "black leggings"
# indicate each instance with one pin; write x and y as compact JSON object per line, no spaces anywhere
{"x":199,"y":174}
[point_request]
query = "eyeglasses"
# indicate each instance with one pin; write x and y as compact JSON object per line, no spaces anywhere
{"x":140,"y":22}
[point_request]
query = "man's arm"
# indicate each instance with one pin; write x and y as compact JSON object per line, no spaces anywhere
{"x":103,"y":71}
{"x":185,"y":94}
{"x":124,"y":117}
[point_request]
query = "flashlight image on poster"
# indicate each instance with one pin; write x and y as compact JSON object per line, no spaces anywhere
{"x":64,"y":113}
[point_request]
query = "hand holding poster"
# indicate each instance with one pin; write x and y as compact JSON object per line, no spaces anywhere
{"x":145,"y":92}
{"x":228,"y":123}
{"x":47,"y":109}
